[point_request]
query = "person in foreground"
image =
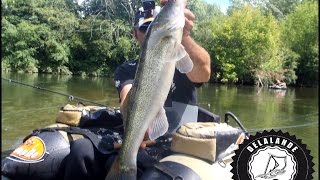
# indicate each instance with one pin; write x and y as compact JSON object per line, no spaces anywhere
{"x":87,"y":162}
{"x":148,"y":108}
{"x":182,"y":95}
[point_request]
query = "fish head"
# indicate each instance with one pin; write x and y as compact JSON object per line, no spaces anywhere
{"x":171,"y":16}
{"x":165,"y":33}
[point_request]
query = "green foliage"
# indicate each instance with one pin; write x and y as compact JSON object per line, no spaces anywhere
{"x":300,"y":34}
{"x":246,"y":44}
{"x":204,"y":35}
{"x":202,"y":10}
{"x":281,"y":8}
{"x":256,"y":40}
{"x":204,"y":13}
{"x":289,"y":64}
{"x":278,"y":8}
{"x":20,"y":55}
{"x":298,"y":49}
{"x":107,"y":44}
{"x":36,"y":35}
{"x":111,"y":9}
{"x":57,"y":36}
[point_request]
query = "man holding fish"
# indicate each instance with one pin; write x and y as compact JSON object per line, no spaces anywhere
{"x":157,"y":93}
{"x":182,"y":92}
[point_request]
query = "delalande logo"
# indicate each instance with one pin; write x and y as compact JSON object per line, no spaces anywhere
{"x":272,"y":155}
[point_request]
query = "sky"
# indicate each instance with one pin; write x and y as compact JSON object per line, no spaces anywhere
{"x":223,"y":4}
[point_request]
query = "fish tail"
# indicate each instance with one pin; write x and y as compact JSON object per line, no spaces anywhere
{"x":116,"y":174}
{"x":129,"y":176}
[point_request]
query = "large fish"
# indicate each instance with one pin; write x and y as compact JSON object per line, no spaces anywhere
{"x":160,"y":54}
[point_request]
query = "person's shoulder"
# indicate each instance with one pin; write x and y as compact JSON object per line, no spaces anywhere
{"x":127,"y":69}
{"x":127,"y":65}
{"x":130,"y":63}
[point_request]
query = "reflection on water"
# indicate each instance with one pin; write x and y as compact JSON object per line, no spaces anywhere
{"x":25,"y":108}
{"x":294,"y":110}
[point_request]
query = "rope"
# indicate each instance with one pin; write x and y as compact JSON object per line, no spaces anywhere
{"x":71,"y":97}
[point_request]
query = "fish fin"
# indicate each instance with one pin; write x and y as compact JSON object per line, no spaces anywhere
{"x":159,"y":125}
{"x":184,"y":64}
{"x":114,"y":172}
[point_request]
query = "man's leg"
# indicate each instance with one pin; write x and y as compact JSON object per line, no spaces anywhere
{"x":85,"y":162}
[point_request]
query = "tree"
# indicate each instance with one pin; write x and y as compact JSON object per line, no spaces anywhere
{"x":204,"y":34}
{"x":278,"y":8}
{"x":20,"y":47}
{"x":106,"y":44}
{"x":246,"y":46}
{"x":300,"y":34}
{"x":111,"y":9}
{"x":36,"y":32}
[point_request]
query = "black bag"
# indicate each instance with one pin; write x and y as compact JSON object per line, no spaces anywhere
{"x":89,"y":116}
{"x":40,"y":156}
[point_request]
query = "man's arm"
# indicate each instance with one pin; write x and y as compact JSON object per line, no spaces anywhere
{"x":123,"y":95}
{"x":201,"y":61}
{"x":200,"y":57}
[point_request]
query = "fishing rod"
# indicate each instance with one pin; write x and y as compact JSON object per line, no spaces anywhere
{"x":71,"y":97}
{"x":283,"y":127}
{"x":247,"y":132}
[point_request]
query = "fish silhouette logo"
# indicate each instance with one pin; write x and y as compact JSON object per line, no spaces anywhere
{"x":272,"y":155}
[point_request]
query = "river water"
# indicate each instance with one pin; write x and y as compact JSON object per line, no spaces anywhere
{"x":23,"y":108}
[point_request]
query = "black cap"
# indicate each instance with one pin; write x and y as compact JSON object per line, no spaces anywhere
{"x":143,"y":18}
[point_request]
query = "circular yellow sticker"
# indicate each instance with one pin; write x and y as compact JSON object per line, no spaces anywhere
{"x":33,"y":149}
